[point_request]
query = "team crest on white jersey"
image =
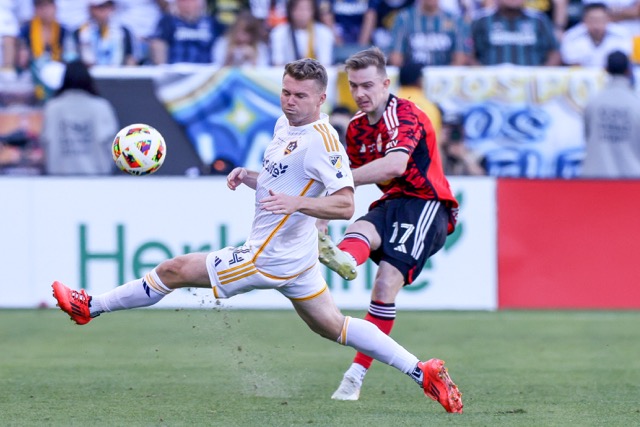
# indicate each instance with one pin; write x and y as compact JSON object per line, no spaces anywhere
{"x":336,"y":161}
{"x":290,"y":147}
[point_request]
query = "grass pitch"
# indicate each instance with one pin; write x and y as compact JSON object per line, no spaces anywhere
{"x":265,"y":368}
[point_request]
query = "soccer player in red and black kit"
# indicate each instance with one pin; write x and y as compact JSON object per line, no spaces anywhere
{"x":391,"y":143}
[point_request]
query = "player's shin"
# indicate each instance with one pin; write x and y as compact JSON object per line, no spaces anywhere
{"x":141,"y":292}
{"x":366,"y":338}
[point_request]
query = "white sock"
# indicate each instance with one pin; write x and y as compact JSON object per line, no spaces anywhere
{"x":356,"y":371}
{"x":137,"y":293}
{"x":366,"y":338}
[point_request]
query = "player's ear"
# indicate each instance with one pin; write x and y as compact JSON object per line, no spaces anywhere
{"x":386,"y":82}
{"x":323,"y":98}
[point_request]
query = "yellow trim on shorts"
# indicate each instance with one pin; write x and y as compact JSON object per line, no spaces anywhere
{"x":215,"y":292}
{"x":330,"y":141}
{"x":271,"y":276}
{"x":310,"y":297}
{"x":240,"y":269}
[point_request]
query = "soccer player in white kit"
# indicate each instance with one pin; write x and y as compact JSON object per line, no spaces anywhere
{"x":304,"y":161}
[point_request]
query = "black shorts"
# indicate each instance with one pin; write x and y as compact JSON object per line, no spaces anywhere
{"x":411,"y":229}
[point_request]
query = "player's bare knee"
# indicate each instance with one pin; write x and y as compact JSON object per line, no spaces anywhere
{"x":172,"y":272}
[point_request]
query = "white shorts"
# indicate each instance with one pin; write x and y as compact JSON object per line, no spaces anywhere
{"x":232,"y":272}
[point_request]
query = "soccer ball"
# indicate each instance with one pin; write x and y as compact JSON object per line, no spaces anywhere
{"x":139,"y":149}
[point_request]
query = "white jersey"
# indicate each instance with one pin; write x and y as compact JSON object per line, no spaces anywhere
{"x":305,"y":161}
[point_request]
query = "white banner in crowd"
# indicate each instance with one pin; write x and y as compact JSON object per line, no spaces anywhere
{"x":525,"y":121}
{"x":97,"y":233}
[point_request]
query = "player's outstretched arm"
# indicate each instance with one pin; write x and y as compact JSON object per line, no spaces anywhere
{"x":388,"y":167}
{"x":242,"y":176}
{"x":339,"y":205}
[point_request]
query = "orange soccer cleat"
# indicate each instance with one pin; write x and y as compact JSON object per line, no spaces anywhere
{"x":437,"y":385}
{"x":74,"y":303}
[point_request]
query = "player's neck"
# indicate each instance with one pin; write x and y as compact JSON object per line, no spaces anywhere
{"x":375,"y":116}
{"x":304,"y":121}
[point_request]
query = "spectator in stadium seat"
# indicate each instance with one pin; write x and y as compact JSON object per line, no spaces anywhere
{"x":302,"y":36}
{"x":612,"y":125}
{"x":103,"y":41}
{"x":42,"y":38}
{"x":510,"y":34}
{"x":345,"y":18}
{"x":242,"y":44}
{"x":43,"y":42}
{"x":78,"y":127}
{"x":425,"y":34}
{"x":72,"y":13}
{"x":141,"y":18}
{"x":589,"y":43}
{"x":187,"y":35}
{"x":556,"y":10}
{"x":9,"y":31}
{"x":305,"y":176}
{"x":378,"y":21}
{"x":225,"y":12}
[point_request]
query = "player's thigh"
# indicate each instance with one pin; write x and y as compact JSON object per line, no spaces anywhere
{"x":321,"y":315}
{"x":188,"y":270}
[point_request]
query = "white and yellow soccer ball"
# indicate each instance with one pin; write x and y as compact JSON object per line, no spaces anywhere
{"x":139,"y":149}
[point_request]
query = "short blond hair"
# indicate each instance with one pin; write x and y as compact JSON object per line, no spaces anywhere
{"x":366,"y":58}
{"x":308,"y":69}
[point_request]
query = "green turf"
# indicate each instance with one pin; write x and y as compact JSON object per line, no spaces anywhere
{"x":264,"y":368}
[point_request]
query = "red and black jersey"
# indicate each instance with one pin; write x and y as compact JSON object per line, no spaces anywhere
{"x":403,"y":127}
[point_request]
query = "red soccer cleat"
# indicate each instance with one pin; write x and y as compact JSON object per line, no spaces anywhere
{"x":74,"y":303}
{"x":437,"y":385}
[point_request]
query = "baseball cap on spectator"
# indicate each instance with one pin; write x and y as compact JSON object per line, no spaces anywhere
{"x":617,"y":63}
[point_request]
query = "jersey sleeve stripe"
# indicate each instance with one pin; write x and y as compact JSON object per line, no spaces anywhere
{"x":330,"y":141}
{"x":324,"y":137}
{"x":402,"y":149}
{"x":391,"y":115}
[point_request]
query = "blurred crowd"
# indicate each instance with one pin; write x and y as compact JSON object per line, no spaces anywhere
{"x":37,"y":36}
{"x":273,"y":32}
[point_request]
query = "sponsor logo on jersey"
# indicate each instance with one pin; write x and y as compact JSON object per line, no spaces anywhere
{"x":336,"y":161}
{"x":391,"y":144}
{"x":290,"y":147}
{"x":379,"y":143}
{"x":275,"y":169}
